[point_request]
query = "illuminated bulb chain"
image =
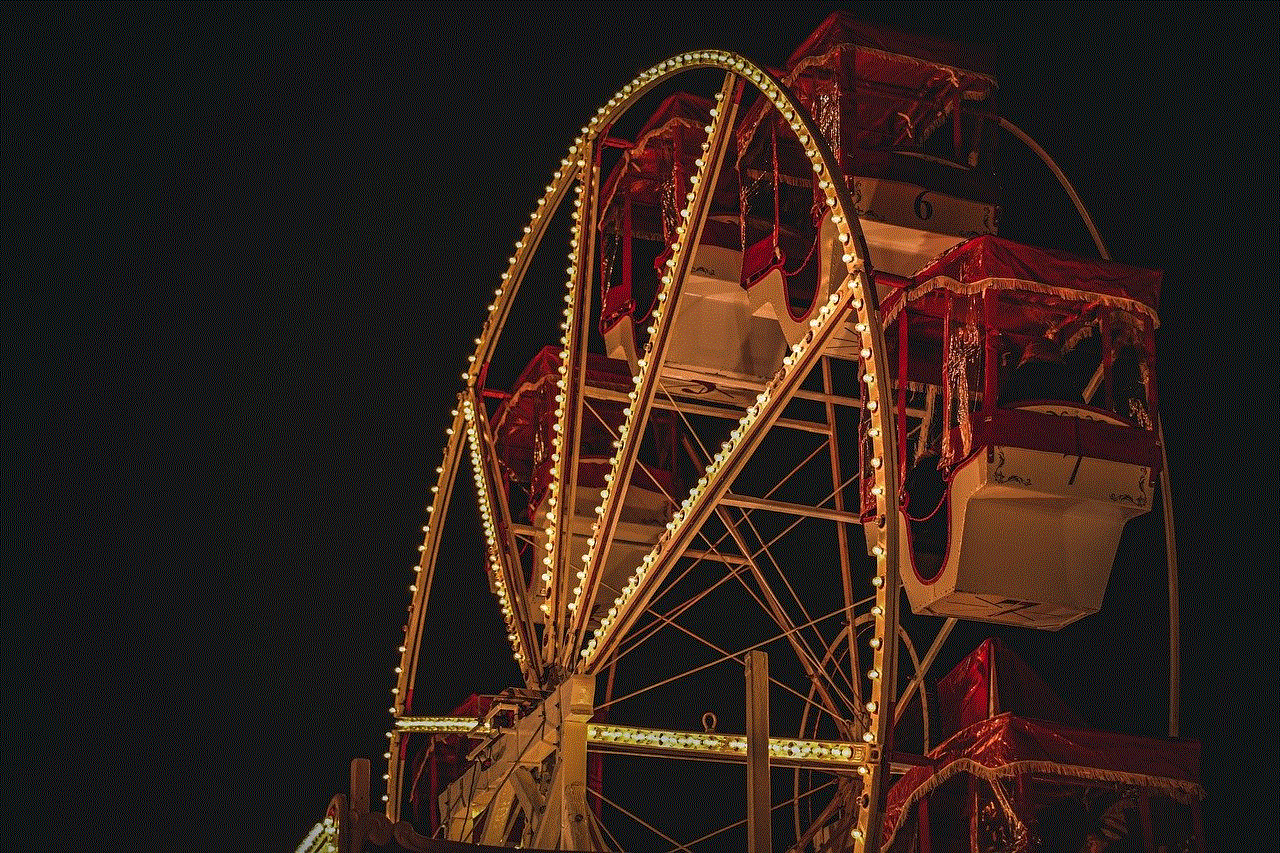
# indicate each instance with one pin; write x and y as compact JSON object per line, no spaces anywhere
{"x":835,"y":752}
{"x":490,"y":534}
{"x":418,"y":568}
{"x":644,"y":368}
{"x":852,"y":285}
{"x":862,"y":326}
{"x":443,"y":725}
{"x":562,"y":410}
{"x":392,"y":749}
{"x":826,"y":315}
{"x":320,"y":838}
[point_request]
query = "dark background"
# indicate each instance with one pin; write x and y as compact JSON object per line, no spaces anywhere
{"x":249,"y":245}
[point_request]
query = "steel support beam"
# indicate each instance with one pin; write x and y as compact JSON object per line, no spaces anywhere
{"x":832,"y":756}
{"x":718,"y":138}
{"x":747,"y":502}
{"x":759,"y":793}
{"x":508,"y":552}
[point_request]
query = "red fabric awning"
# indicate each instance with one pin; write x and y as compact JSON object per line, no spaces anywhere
{"x":842,"y":28}
{"x":990,"y":262}
{"x":1007,"y":746}
{"x":522,"y":426}
{"x":673,"y":134}
{"x":873,"y":89}
{"x":993,"y":678}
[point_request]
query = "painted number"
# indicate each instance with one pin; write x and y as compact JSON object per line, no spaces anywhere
{"x":924,"y":209}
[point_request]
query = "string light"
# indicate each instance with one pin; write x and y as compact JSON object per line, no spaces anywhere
{"x":487,"y":518}
{"x":853,"y":284}
{"x":835,"y":753}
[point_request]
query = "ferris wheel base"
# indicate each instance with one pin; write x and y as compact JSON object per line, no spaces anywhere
{"x":1032,"y":536}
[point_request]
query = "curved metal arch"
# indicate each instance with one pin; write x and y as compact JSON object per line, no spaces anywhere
{"x":1166,"y":496}
{"x":855,"y":293}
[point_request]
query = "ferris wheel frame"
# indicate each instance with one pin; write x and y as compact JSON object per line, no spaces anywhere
{"x":569,"y":655}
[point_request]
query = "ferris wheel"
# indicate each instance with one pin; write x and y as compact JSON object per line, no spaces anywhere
{"x":768,"y":403}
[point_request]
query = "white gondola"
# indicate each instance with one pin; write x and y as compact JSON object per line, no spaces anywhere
{"x":1037,"y":485}
{"x":1032,"y":535}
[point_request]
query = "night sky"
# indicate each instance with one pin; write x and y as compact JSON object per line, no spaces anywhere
{"x":249,"y":247}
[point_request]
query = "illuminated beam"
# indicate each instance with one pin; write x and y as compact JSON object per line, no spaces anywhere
{"x":518,"y":264}
{"x":719,"y":134}
{"x":411,"y":645}
{"x":571,"y":385}
{"x":831,"y":755}
{"x":486,"y":344}
{"x":508,"y":571}
{"x":842,"y":542}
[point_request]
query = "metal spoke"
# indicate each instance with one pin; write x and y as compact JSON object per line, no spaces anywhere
{"x":600,"y":825}
{"x":661,"y":619}
{"x":923,"y":667}
{"x":804,"y":611}
{"x":772,"y":809}
{"x":645,"y":633}
{"x":790,"y":634}
{"x":645,"y":824}
{"x":732,"y":656}
{"x":792,"y":525}
{"x":773,"y":608}
{"x":510,"y":566}
{"x":771,"y":605}
{"x":718,"y":137}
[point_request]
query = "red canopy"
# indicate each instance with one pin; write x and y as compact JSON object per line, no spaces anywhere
{"x":522,"y":426}
{"x":1007,"y":746}
{"x":672,"y":135}
{"x":978,"y":701}
{"x":872,"y":89}
{"x":991,"y":680}
{"x":990,"y":262}
{"x":842,"y":29}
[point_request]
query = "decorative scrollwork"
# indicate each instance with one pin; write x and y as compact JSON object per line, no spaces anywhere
{"x":1139,"y":501}
{"x":1080,"y":414}
{"x":1000,"y":477}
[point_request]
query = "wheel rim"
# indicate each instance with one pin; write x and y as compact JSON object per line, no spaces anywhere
{"x":648,"y":604}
